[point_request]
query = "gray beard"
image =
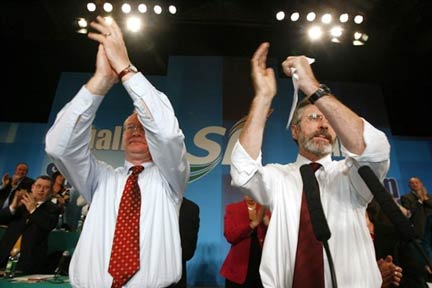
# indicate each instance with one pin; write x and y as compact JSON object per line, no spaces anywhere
{"x":318,"y":150}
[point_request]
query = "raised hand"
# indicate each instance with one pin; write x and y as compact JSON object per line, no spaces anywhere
{"x":263,"y":78}
{"x":306,"y":78}
{"x":5,"y":180}
{"x":111,"y":37}
{"x":29,"y":202}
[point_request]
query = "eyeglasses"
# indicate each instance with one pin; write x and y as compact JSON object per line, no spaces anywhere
{"x":133,"y":127}
{"x":315,"y":117}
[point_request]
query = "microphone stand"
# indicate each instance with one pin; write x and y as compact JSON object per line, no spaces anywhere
{"x":330,"y":262}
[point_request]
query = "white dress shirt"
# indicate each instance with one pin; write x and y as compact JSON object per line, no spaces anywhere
{"x":344,"y":198}
{"x":162,"y":184}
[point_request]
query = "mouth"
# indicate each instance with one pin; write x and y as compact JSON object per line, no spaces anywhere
{"x":135,"y":140}
{"x":321,"y":137}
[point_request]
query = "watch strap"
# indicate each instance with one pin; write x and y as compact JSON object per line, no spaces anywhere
{"x":323,"y":90}
{"x":128,"y":69}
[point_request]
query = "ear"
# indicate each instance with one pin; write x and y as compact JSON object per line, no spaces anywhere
{"x":294,"y":131}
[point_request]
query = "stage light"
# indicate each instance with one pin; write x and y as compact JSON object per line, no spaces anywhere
{"x":336,"y":31}
{"x":122,"y":10}
{"x":357,"y":35}
{"x":142,"y":8}
{"x":315,"y":33}
{"x":310,"y":16}
{"x":295,"y":16}
{"x":157,"y":9}
{"x":280,"y":15}
{"x":360,"y":38}
{"x":133,"y":24}
{"x":343,"y":18}
{"x":358,"y":19}
{"x":91,"y":7}
{"x":172,"y":9}
{"x":108,"y":7}
{"x":126,"y":8}
{"x":336,"y":34}
{"x":326,"y":18}
{"x":81,"y":25}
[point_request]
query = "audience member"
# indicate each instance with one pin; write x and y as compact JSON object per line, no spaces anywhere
{"x":60,"y":197}
{"x":189,"y":227}
{"x":317,"y":121}
{"x":245,"y":227}
{"x":419,"y":203}
{"x":60,"y":194}
{"x":386,"y":241}
{"x":30,"y":218}
{"x":154,"y":150}
{"x":11,"y":184}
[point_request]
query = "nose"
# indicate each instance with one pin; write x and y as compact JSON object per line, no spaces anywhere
{"x":137,"y":131}
{"x":324,"y":123}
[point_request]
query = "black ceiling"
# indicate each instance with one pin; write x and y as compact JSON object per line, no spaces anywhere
{"x":39,"y":43}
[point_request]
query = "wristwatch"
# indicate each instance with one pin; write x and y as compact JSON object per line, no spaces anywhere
{"x":128,"y":69}
{"x":323,"y":90}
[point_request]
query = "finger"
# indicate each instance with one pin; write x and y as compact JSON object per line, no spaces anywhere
{"x":260,"y":56}
{"x":271,"y":75}
{"x":389,"y":258}
{"x":286,"y":65}
{"x":96,"y":37}
{"x":114,"y":27}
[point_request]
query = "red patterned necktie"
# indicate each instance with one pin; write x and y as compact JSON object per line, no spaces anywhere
{"x":309,"y":265}
{"x":124,"y":261}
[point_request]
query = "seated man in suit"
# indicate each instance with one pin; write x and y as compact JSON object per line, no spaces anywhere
{"x":12,"y":184}
{"x":30,"y":218}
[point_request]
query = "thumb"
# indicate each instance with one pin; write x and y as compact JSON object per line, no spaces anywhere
{"x":389,"y":259}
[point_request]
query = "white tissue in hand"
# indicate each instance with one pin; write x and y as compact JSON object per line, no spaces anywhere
{"x":295,"y":79}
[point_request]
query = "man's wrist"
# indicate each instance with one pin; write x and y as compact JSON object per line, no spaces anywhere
{"x":322,"y":91}
{"x":127,"y":70}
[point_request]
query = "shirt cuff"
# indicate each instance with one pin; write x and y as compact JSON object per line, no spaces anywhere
{"x":377,"y":146}
{"x":243,"y":167}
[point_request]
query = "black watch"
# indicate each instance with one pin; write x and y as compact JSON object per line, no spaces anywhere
{"x":323,"y":90}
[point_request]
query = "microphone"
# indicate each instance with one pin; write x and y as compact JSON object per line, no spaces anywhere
{"x":61,"y":265}
{"x":318,"y":220}
{"x":312,"y":193}
{"x":387,"y":204}
{"x":392,"y":211}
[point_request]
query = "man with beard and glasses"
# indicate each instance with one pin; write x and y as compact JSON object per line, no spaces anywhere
{"x":319,"y":119}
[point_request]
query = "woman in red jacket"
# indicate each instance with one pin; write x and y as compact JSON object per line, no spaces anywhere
{"x":245,"y":226}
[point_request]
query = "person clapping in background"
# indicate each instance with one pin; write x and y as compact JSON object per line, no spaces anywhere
{"x":245,"y":227}
{"x":30,"y":218}
{"x":18,"y":181}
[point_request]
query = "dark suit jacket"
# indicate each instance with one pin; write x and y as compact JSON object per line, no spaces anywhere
{"x":8,"y":193}
{"x":419,"y":212}
{"x":189,"y":225}
{"x":238,"y":232}
{"x":34,"y":229}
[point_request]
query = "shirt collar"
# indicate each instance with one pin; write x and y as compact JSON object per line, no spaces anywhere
{"x":325,"y":161}
{"x":128,"y":165}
